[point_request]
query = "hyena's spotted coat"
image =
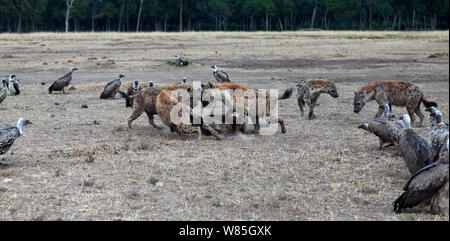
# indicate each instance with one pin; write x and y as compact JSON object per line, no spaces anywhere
{"x":392,"y":92}
{"x":308,"y":91}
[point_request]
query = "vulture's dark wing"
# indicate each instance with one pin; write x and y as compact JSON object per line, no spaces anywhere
{"x":111,"y":89}
{"x":16,"y":88}
{"x":60,"y":83}
{"x":3,"y":94}
{"x":7,"y":137}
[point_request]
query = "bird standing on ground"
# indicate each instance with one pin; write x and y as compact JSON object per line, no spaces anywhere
{"x":439,"y":134}
{"x":112,"y":88}
{"x":386,"y":130}
{"x":14,"y":85}
{"x":220,"y":75}
{"x":426,"y":187}
{"x":9,"y":134}
{"x":180,"y":61}
{"x":61,"y":83}
{"x":151,"y":84}
{"x":415,"y":150}
{"x":3,"y":91}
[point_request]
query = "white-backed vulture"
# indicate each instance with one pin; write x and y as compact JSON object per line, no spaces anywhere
{"x":220,"y":75}
{"x":181,"y":61}
{"x":61,"y":83}
{"x":112,"y":88}
{"x":9,"y":134}
{"x":386,"y":130}
{"x":415,"y":150}
{"x":439,"y":134}
{"x":13,"y":85}
{"x":426,"y":187}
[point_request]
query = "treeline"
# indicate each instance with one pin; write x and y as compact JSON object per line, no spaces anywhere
{"x":221,"y":15}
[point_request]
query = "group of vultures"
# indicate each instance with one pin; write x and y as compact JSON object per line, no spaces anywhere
{"x":425,"y":157}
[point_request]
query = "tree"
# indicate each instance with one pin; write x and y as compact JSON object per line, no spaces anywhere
{"x":139,"y":14}
{"x":69,"y":4}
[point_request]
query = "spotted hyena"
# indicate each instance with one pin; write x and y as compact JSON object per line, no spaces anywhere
{"x":166,"y":101}
{"x":308,"y":91}
{"x":393,"y":92}
{"x":145,"y":100}
{"x":239,"y":94}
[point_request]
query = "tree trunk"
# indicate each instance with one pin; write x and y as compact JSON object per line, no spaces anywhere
{"x":69,"y":4}
{"x":281,"y":25}
{"x":121,"y":15}
{"x":267,"y":20}
{"x":413,"y":24}
{"x":181,"y":15}
{"x":292,"y":20}
{"x":433,"y":21}
{"x":19,"y":23}
{"x":139,"y":15}
{"x":313,"y":16}
{"x":370,"y":17}
{"x":394,"y":21}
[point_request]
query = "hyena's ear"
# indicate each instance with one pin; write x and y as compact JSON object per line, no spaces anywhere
{"x":189,"y":90}
{"x":356,"y":93}
{"x":326,"y":85}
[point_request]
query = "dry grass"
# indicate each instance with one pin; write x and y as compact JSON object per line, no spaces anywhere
{"x":84,"y":164}
{"x":115,"y":36}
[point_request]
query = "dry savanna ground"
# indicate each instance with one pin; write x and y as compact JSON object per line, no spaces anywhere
{"x":84,"y":164}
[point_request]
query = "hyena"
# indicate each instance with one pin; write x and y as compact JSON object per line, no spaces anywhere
{"x":166,"y":100}
{"x":308,"y":91}
{"x":392,"y":92}
{"x":238,"y":92}
{"x":145,"y":100}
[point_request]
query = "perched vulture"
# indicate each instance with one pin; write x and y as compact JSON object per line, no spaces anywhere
{"x":180,"y":61}
{"x":151,"y":84}
{"x":112,"y":88}
{"x":426,"y":187}
{"x":3,"y":91}
{"x":439,"y":134}
{"x":61,"y":83}
{"x":10,"y":133}
{"x":14,"y":85}
{"x":386,"y":130}
{"x":415,"y":150}
{"x":220,"y":75}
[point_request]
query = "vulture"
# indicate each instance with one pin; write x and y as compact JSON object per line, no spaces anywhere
{"x":415,"y":150}
{"x":9,"y":134}
{"x":183,"y":81}
{"x":387,"y":131}
{"x":220,"y":75}
{"x":151,"y":84}
{"x":3,"y":91}
{"x":133,"y":89}
{"x":61,"y":83}
{"x":426,"y":187}
{"x":112,"y":88}
{"x":439,"y":134}
{"x":180,"y":61}
{"x":13,"y":85}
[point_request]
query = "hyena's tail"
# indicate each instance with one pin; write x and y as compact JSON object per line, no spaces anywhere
{"x":428,"y":104}
{"x":287,"y":94}
{"x":128,"y":99}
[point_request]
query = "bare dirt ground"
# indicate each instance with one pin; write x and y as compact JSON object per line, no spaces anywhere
{"x":84,"y":164}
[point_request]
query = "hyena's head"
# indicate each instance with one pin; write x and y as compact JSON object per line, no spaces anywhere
{"x":330,"y":88}
{"x":359,"y":101}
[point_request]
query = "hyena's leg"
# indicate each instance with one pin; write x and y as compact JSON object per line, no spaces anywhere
{"x":313,"y":104}
{"x":311,"y":109}
{"x":421,"y":116}
{"x":150,"y":120}
{"x":213,"y":132}
{"x":301,"y":104}
{"x":411,"y":113}
{"x":183,"y":130}
{"x":138,"y":110}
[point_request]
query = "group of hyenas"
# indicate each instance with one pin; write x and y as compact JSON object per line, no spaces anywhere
{"x":160,"y":100}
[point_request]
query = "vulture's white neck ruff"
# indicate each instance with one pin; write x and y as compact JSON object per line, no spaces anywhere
{"x":20,"y":124}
